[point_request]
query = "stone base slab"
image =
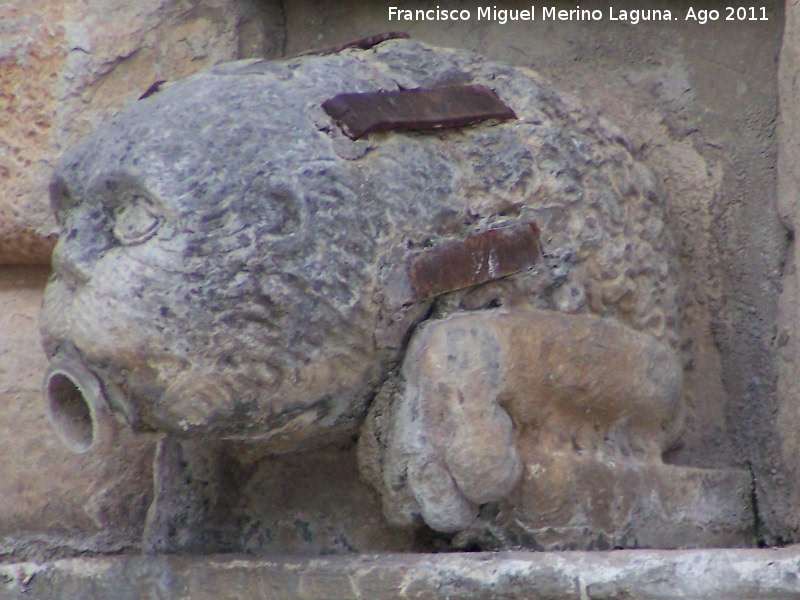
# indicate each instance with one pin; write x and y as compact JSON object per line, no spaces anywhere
{"x":642,"y":574}
{"x":572,"y":502}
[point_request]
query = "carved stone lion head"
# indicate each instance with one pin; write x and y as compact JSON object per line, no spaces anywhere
{"x":231,"y":264}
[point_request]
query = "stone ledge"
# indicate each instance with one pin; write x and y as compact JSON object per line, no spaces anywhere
{"x":643,"y":574}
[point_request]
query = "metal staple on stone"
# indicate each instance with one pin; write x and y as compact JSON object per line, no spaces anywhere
{"x":417,"y":109}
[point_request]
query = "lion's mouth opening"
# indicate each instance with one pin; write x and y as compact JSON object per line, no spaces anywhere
{"x":75,"y":403}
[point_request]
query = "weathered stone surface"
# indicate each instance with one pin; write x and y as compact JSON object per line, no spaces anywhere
{"x":645,"y":575}
{"x":698,"y":106}
{"x":311,"y":503}
{"x":235,"y":269}
{"x":559,"y":419}
{"x":780,"y":448}
{"x":52,"y":501}
{"x":66,"y":67}
{"x":475,"y":387}
{"x":232,"y":265}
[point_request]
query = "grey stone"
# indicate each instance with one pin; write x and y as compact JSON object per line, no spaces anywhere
{"x":226,"y":273}
{"x":776,"y":441}
{"x":233,"y":268}
{"x":532,"y":428}
{"x":646,"y":575}
{"x":69,"y":66}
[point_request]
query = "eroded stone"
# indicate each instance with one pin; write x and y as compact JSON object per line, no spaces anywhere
{"x":561,"y":421}
{"x":652,"y":575}
{"x":233,"y":267}
{"x":226,"y":272}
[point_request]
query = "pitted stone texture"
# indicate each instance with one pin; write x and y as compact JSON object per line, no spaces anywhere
{"x":234,"y":264}
{"x":54,"y":502}
{"x":778,"y":442}
{"x":559,"y":423}
{"x":569,"y":501}
{"x":647,"y":575}
{"x":478,"y":388}
{"x":313,"y":503}
{"x":67,"y":67}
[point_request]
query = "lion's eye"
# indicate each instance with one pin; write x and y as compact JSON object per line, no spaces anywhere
{"x":135,"y":222}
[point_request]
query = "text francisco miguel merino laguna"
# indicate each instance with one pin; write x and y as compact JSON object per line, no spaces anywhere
{"x":551,"y":13}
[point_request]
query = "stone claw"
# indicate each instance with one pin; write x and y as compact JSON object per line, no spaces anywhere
{"x":451,"y":446}
{"x":482,"y":394}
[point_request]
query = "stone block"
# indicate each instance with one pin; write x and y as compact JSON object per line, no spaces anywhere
{"x":67,"y":67}
{"x":530,"y":428}
{"x":641,"y":574}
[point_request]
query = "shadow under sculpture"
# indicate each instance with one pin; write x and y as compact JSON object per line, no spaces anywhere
{"x":232,"y":267}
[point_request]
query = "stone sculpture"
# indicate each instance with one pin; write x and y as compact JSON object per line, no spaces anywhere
{"x":232,"y":266}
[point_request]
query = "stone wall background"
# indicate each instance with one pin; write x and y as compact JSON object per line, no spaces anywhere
{"x":697,"y":103}
{"x":66,"y":67}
